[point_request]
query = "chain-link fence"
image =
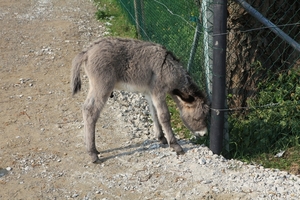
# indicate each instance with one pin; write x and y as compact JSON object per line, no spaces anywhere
{"x":172,"y":24}
{"x":263,"y":69}
{"x":263,"y":76}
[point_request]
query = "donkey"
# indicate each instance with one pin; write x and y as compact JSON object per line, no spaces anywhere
{"x":138,"y":66}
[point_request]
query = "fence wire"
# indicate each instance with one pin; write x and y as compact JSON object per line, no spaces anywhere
{"x":263,"y":70}
{"x":263,"y":78}
{"x":172,"y":24}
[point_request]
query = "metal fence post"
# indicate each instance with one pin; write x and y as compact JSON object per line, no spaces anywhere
{"x":219,"y":75}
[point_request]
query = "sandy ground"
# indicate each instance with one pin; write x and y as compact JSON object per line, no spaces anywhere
{"x":40,"y":123}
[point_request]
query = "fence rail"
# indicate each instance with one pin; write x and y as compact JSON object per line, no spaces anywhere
{"x":262,"y":59}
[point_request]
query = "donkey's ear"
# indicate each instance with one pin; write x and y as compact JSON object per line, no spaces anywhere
{"x":183,"y":96}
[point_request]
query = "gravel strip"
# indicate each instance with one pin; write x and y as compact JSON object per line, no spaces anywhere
{"x":197,"y":172}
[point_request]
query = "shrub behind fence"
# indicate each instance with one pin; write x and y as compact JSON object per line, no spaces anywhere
{"x":263,"y":77}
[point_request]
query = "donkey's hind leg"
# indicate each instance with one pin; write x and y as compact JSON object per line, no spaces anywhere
{"x":92,"y":107}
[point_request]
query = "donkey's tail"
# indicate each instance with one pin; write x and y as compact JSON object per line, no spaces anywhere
{"x":75,"y":72}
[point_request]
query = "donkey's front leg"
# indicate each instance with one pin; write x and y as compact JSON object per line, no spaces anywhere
{"x":164,"y":118}
{"x":157,"y":127}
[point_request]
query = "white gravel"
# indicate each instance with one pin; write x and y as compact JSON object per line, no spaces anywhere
{"x":197,"y":172}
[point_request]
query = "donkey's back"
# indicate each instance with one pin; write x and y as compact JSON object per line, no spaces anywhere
{"x":129,"y":64}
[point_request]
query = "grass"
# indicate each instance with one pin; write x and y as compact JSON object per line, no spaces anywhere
{"x":261,"y":133}
{"x":110,"y":13}
{"x":290,"y":160}
{"x":177,"y":125}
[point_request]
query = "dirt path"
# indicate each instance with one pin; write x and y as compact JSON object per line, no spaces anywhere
{"x":40,"y":124}
{"x":42,"y":153}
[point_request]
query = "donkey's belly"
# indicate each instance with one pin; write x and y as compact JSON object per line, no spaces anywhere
{"x":131,"y":87}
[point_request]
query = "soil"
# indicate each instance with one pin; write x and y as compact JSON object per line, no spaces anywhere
{"x":42,"y":151}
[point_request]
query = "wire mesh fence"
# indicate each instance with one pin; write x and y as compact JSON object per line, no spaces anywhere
{"x":263,"y":77}
{"x":171,"y":23}
{"x":263,"y":70}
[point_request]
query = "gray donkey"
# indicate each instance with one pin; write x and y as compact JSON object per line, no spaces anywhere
{"x":138,"y":66}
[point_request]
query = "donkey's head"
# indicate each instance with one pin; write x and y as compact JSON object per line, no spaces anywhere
{"x":193,"y":109}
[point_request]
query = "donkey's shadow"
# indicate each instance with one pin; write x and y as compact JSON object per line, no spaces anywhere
{"x":143,"y":147}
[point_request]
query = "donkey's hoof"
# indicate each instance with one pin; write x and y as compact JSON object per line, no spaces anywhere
{"x":98,"y":161}
{"x":178,"y":149}
{"x":95,"y":158}
{"x":97,"y":152}
{"x":180,"y":152}
{"x":163,"y":140}
{"x":93,"y":152}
